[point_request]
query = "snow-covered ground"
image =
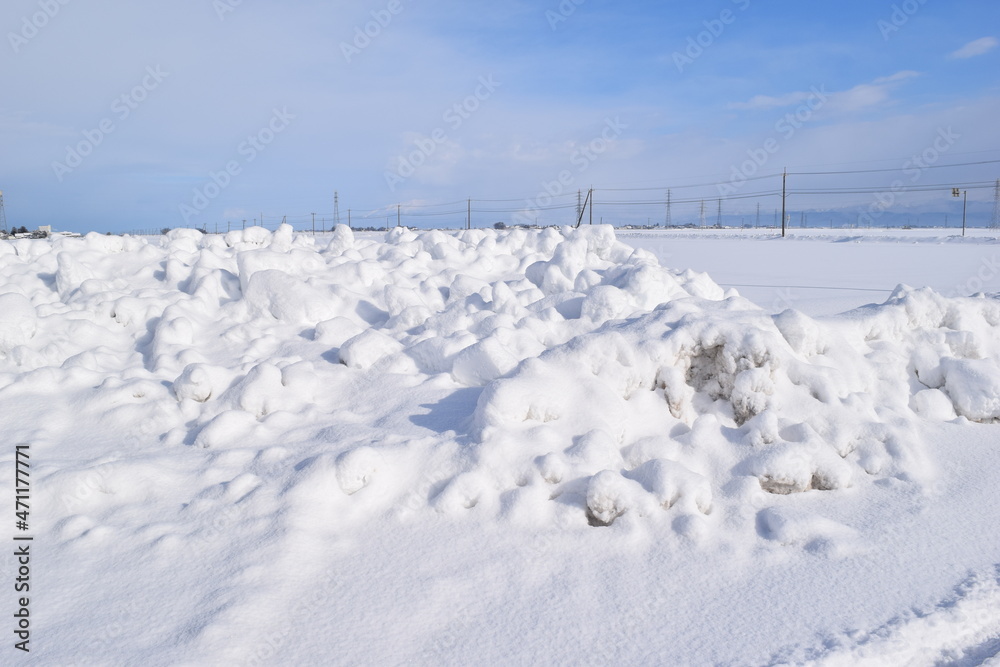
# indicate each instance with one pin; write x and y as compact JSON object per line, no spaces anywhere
{"x":828,"y":271}
{"x":519,"y":447}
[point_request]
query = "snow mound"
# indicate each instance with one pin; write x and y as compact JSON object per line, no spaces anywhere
{"x":796,"y":403}
{"x":493,"y":372}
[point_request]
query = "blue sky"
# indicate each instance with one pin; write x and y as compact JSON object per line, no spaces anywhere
{"x":604,"y":94}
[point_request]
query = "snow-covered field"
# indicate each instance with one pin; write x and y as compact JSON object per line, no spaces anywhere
{"x":828,"y":271}
{"x":519,"y":447}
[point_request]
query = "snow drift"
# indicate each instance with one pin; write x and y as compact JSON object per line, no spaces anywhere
{"x":519,"y":373}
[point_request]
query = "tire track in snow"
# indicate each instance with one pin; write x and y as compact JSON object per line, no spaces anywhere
{"x":961,"y":630}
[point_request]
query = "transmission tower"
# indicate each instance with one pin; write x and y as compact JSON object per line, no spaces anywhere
{"x":757,"y":223}
{"x":336,"y":208}
{"x":718,"y":218}
{"x":701,"y":216}
{"x":579,"y":204}
{"x":3,"y":214}
{"x":669,"y":222}
{"x":994,"y":224}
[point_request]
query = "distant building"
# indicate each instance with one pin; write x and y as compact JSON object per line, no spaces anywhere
{"x":43,"y":232}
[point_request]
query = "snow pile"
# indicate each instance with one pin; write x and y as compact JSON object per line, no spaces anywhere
{"x":722,"y":393}
{"x":536,"y":375}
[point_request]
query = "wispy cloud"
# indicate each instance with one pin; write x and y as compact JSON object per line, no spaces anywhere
{"x":854,"y":99}
{"x":768,"y":102}
{"x":975,"y":48}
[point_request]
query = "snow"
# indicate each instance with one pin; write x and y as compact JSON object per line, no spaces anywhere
{"x":829,"y":271}
{"x":525,"y":446}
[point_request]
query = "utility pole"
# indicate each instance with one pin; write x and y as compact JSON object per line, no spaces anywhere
{"x":244,"y":223}
{"x":336,"y":208}
{"x":756,"y":224}
{"x":398,"y":223}
{"x":468,"y":220}
{"x":314,"y":224}
{"x":349,"y":218}
{"x":668,"y":222}
{"x":579,"y":204}
{"x":994,"y":224}
{"x":965,"y":206}
{"x":955,"y":192}
{"x":701,"y":214}
{"x":3,"y":214}
{"x":579,"y":217}
{"x":784,"y":180}
{"x":718,"y":218}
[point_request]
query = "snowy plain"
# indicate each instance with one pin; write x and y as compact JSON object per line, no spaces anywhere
{"x":518,"y":447}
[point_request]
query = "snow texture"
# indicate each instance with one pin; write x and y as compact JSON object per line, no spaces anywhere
{"x":553,"y":381}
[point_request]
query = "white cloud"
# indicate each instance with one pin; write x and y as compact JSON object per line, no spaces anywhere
{"x":898,"y":76}
{"x":854,"y":99}
{"x":975,"y":48}
{"x":768,"y":102}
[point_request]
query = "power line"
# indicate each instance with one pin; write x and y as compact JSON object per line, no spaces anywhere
{"x":815,"y":173}
{"x":693,"y":200}
{"x":893,"y":159}
{"x":624,"y":207}
{"x":874,"y":171}
{"x":695,"y":185}
{"x":898,"y":160}
{"x":876,"y":190}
